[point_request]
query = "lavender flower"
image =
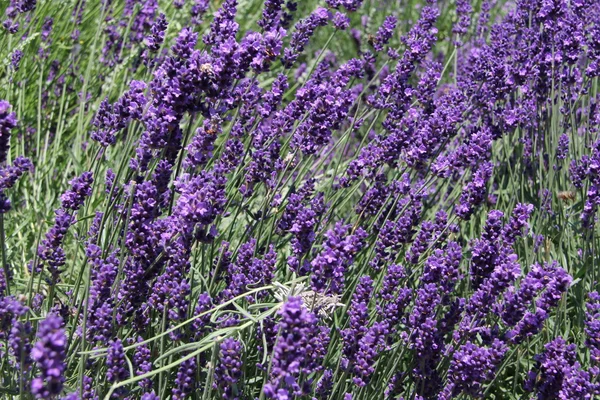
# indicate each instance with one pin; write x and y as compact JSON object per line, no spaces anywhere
{"x":43,"y":51}
{"x":368,"y":348}
{"x":324,"y":385}
{"x":557,"y":374}
{"x":8,"y":121}
{"x":483,"y":301}
{"x":300,"y":217}
{"x":555,"y":281}
{"x":471,"y":367}
{"x":9,"y":175}
{"x":474,"y":192}
{"x":223,"y":25}
{"x":350,"y":5}
{"x":19,"y":341}
{"x":201,"y":147}
{"x":592,"y":326}
{"x":299,"y":350}
{"x":485,"y":250}
{"x":186,"y":380}
{"x":420,"y":243}
{"x":116,"y":364}
{"x":337,"y":255}
{"x":88,"y":392}
{"x":271,"y":15}
{"x":358,"y":320}
{"x":519,"y":220}
{"x":111,"y":118}
{"x":50,"y":250}
{"x":157,"y":35}
{"x":304,"y":29}
{"x":198,"y":9}
{"x":384,"y":33}
{"x":562,"y":148}
{"x":81,"y":187}
{"x":425,"y":339}
{"x":341,"y":21}
{"x":23,"y":6}
{"x":15,"y":59}
{"x":463,"y":11}
{"x":229,"y":370}
{"x":143,"y":363}
{"x":393,"y":297}
{"x":49,"y":353}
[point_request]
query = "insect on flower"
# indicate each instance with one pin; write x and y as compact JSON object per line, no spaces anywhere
{"x":325,"y":305}
{"x":567,"y":196}
{"x":206,"y":68}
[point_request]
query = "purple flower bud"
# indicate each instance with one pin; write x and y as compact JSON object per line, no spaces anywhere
{"x":557,"y":374}
{"x":229,"y":369}
{"x":81,"y":187}
{"x":562,"y":149}
{"x":185,"y":381}
{"x":337,"y":254}
{"x":118,"y":370}
{"x":463,"y":11}
{"x":223,"y":26}
{"x":143,"y":363}
{"x":304,"y":29}
{"x":471,"y":367}
{"x":592,"y":326}
{"x":385,"y":33}
{"x":157,"y":33}
{"x":341,"y":21}
{"x":49,"y":354}
{"x":474,"y":192}
{"x":8,"y":121}
{"x":298,"y":352}
{"x":15,"y":59}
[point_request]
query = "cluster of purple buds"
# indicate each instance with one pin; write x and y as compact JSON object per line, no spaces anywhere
{"x":49,"y":354}
{"x":298,"y":352}
{"x":50,"y":251}
{"x":15,"y":8}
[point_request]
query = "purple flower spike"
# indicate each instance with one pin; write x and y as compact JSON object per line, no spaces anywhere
{"x":474,"y":192}
{"x":385,"y":33}
{"x":49,"y":354}
{"x":592,"y":326}
{"x":298,"y":352}
{"x":304,"y":29}
{"x":337,"y":255}
{"x":157,"y":35}
{"x":557,"y":374}
{"x":8,"y":121}
{"x":118,"y":370}
{"x":81,"y":187}
{"x":229,"y":370}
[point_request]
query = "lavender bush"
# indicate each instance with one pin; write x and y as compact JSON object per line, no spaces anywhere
{"x":339,"y":199}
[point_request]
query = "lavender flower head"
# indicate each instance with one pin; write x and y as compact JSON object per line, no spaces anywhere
{"x":298,"y":351}
{"x":157,"y":35}
{"x":15,"y":59}
{"x":592,"y":326}
{"x":304,"y":29}
{"x":229,"y":370}
{"x":341,"y":21}
{"x":117,"y":366}
{"x":49,"y":353}
{"x":81,"y":187}
{"x":8,"y":121}
{"x":384,"y":33}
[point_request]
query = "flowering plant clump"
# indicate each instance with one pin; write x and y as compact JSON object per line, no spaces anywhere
{"x":338,"y":199}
